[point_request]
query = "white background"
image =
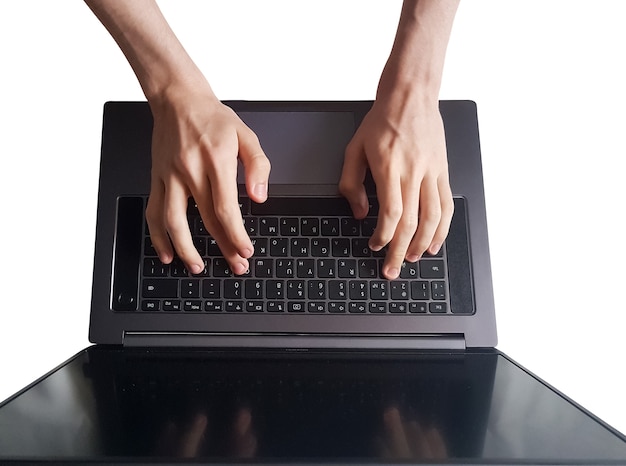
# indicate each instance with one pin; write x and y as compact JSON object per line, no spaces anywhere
{"x":549,"y":79}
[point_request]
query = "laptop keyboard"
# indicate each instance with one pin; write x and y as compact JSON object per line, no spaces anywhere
{"x":315,"y":262}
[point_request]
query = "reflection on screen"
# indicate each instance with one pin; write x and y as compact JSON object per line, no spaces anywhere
{"x":133,"y":403}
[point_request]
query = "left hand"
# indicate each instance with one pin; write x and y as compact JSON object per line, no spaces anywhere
{"x":404,"y":146}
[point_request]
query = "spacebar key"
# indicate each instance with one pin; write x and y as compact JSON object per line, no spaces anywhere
{"x":303,"y":206}
{"x":159,"y":288}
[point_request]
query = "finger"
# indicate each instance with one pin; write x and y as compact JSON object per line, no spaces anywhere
{"x":223,"y":182}
{"x":389,"y":192}
{"x":176,"y":199}
{"x":192,"y":437}
{"x":447,"y":210}
{"x":404,"y":233}
{"x":156,"y":222}
{"x":244,"y":439}
{"x":352,"y":178}
{"x":396,"y":437}
{"x":201,"y":189}
{"x":256,"y":165}
{"x":429,"y":216}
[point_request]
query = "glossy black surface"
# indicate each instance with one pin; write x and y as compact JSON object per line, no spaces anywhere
{"x":112,"y":404}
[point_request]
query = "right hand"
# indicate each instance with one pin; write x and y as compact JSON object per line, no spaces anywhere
{"x":196,"y":141}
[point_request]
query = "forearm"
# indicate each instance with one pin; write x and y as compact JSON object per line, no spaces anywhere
{"x":150,"y":46}
{"x":415,"y":65}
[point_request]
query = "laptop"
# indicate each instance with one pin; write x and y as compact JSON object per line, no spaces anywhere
{"x":312,"y":356}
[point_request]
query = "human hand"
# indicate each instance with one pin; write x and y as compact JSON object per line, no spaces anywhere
{"x":196,"y":142}
{"x":408,"y":439}
{"x":404,"y":147}
{"x":193,"y":439}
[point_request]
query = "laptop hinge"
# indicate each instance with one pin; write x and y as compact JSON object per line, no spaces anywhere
{"x":294,"y":341}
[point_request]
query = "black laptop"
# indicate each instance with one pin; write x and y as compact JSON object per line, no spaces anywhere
{"x":311,"y":357}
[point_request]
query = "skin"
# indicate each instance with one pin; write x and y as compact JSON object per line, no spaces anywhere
{"x":197,"y":140}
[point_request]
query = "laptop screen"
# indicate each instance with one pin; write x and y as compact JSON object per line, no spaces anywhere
{"x":110,"y":403}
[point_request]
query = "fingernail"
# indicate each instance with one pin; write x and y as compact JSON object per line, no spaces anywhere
{"x":240,"y":269}
{"x":260,"y":190}
{"x":413,"y":258}
{"x":195,"y":268}
{"x":247,"y":252}
{"x":374,"y":247}
{"x":393,"y":272}
{"x":434,"y":249}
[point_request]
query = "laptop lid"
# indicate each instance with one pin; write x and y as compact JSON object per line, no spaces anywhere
{"x":305,"y":142}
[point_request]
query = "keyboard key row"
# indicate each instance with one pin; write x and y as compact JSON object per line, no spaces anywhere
{"x":276,"y":289}
{"x":431,"y":269}
{"x":312,"y":307}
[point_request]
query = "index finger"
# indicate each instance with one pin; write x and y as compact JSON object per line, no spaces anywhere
{"x":223,"y":183}
{"x":390,"y":208}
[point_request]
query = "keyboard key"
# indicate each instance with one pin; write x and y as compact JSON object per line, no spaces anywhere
{"x":379,"y":289}
{"x":438,"y":289}
{"x":317,"y":307}
{"x":346,"y":268}
{"x":360,"y":247}
{"x":190,"y":288}
{"x":431,"y":268}
{"x":409,"y":270}
{"x":350,"y":227}
{"x":213,"y":306}
{"x":171,"y":305}
{"x":417,"y":307}
{"x":295,"y":306}
{"x":377,"y":307}
{"x":275,"y":306}
{"x":357,"y":307}
{"x":220,"y":268}
{"x":153,"y":267}
{"x":232,"y":289}
{"x":268,"y":226}
{"x":399,"y":289}
{"x":358,"y":289}
{"x":192,"y":305}
{"x":326,"y":268}
{"x":330,"y":227}
{"x":438,"y":308}
{"x":420,"y":290}
{"x":200,"y":242}
{"x":260,"y":246}
{"x":309,"y":227}
{"x":300,"y":247}
{"x":211,"y":288}
{"x":284,"y":268}
{"x":368,"y":268}
{"x":368,"y":224}
{"x":255,"y":306}
{"x":337,"y":289}
{"x":233,"y":306}
{"x":335,"y":307}
{"x":275,"y":289}
{"x":263,"y":268}
{"x":212,"y":248}
{"x":340,"y":247}
{"x":159,"y":288}
{"x":253,"y":289}
{"x":289,"y":226}
{"x":279,"y":247}
{"x":150,"y":305}
{"x":251,"y":224}
{"x":398,"y":307}
{"x":296,"y":289}
{"x":305,"y":268}
{"x":320,"y":247}
{"x":316,"y":289}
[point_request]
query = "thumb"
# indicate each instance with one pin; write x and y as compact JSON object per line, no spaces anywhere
{"x":256,"y":165}
{"x":352,"y":178}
